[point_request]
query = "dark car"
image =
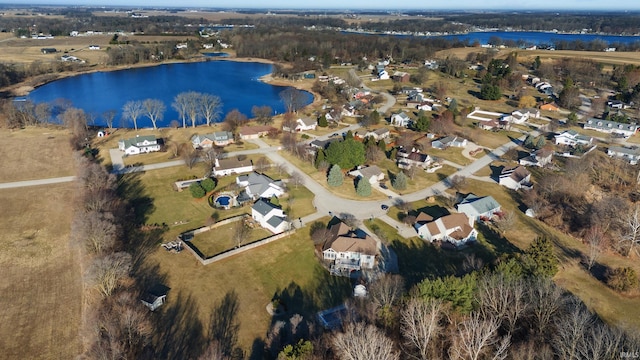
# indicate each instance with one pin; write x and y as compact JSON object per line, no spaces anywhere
{"x":385,"y":207}
{"x":383,"y":186}
{"x":333,"y":135}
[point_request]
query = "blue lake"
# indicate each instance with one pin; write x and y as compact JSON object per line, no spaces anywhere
{"x":541,"y":37}
{"x":236,"y":83}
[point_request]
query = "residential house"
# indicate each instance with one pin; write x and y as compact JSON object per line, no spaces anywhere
{"x":539,"y":158}
{"x":270,"y":216}
{"x":372,"y":173}
{"x":456,"y":229}
{"x":349,"y":250}
{"x":400,"y":120}
{"x":515,"y":178}
{"x":630,"y":154}
{"x":323,"y":144}
{"x":573,"y":138}
{"x":49,"y":50}
{"x":615,"y":104}
{"x":611,"y":127}
{"x":378,"y":134}
{"x":550,"y":107}
{"x":206,"y":141}
{"x":254,"y":132}
{"x":155,"y":297}
{"x":258,"y":185}
{"x":94,"y":47}
{"x":139,"y":145}
{"x":230,"y":166}
{"x":414,"y":158}
{"x":493,"y":124}
{"x":477,"y":207}
{"x":522,"y":115}
{"x":448,"y":141}
{"x":400,"y":76}
{"x":303,"y":124}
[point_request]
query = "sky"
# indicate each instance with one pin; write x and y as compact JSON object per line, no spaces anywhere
{"x":621,"y":5}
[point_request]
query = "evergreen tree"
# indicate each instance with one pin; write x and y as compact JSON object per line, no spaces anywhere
{"x":539,"y":258}
{"x":196,"y":190}
{"x":374,"y":117}
{"x":322,"y":121}
{"x":347,"y":154}
{"x":422,"y":123}
{"x":528,"y":141}
{"x":453,"y":106}
{"x":363,"y":188}
{"x":540,"y":143}
{"x":382,"y":145}
{"x":400,"y":181}
{"x":459,"y":291}
{"x":335,"y":177}
{"x":348,"y":135}
{"x":320,"y":157}
{"x":572,"y":118}
{"x":536,"y":63}
{"x":490,"y":92}
{"x":208,"y":184}
{"x":393,"y":153}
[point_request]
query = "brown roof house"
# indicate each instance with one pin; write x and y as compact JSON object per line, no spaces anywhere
{"x":349,"y":250}
{"x":254,"y":132}
{"x":456,"y":229}
{"x":515,"y":178}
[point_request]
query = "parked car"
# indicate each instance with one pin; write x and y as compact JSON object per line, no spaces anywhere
{"x":333,"y":135}
{"x":383,"y":186}
{"x":385,"y":207}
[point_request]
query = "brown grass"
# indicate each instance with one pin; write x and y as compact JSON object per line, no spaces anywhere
{"x":34,"y":153}
{"x":41,"y":279}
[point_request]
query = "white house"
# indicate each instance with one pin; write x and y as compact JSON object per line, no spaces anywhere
{"x":206,"y":141}
{"x":611,"y":127}
{"x":477,"y":207}
{"x":349,"y":250}
{"x":630,"y":154}
{"x":381,"y":133}
{"x":573,"y":138}
{"x":454,"y":228}
{"x":155,"y":297}
{"x":303,"y":124}
{"x":448,"y":141}
{"x":522,"y":115}
{"x":538,"y":158}
{"x":372,"y":173}
{"x":515,"y":178}
{"x":400,"y":120}
{"x":260,"y":186}
{"x":139,"y":145}
{"x":94,"y":47}
{"x":269,"y":216}
{"x":230,"y":166}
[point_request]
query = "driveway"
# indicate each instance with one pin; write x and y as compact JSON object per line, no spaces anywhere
{"x":117,"y":162}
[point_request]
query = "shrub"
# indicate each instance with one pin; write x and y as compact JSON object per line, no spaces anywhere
{"x":208,"y":184}
{"x":623,"y":279}
{"x":196,"y":190}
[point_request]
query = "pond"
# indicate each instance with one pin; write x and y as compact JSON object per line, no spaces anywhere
{"x":236,"y":83}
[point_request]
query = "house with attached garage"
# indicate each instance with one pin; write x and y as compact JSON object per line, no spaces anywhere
{"x":260,"y":186}
{"x":611,"y":127}
{"x":449,"y":141}
{"x":515,"y":178}
{"x":218,"y":138}
{"x":270,"y":216}
{"x":255,"y":132}
{"x":400,"y":120}
{"x":230,"y":166}
{"x":539,"y":158}
{"x":477,"y":207}
{"x":408,"y":159}
{"x":371,"y":173}
{"x":349,"y":250}
{"x":378,"y":134}
{"x":573,"y":138}
{"x":630,"y":154}
{"x":139,"y":145}
{"x":456,"y":229}
{"x":302,"y":124}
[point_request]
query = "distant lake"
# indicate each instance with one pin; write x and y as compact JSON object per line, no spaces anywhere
{"x":541,"y":37}
{"x":236,"y":83}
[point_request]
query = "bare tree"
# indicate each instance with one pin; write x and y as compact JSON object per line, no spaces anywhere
{"x":420,"y":325}
{"x":210,"y":155}
{"x":210,"y":107}
{"x":43,"y":113}
{"x":281,"y":168}
{"x":262,"y":163}
{"x":363,"y":342}
{"x":546,"y":301}
{"x":293,"y":99}
{"x":476,"y":337}
{"x":188,"y":154}
{"x":213,"y":351}
{"x":181,"y":104}
{"x":240,"y":233}
{"x":631,"y":238}
{"x":506,"y":222}
{"x":234,"y":120}
{"x":192,"y":107}
{"x":570,"y":331}
{"x":320,"y":235}
{"x":95,"y":231}
{"x":386,"y":290}
{"x":373,"y":154}
{"x":296,"y":179}
{"x":503,"y":299}
{"x":132,"y":110}
{"x":458,"y":182}
{"x":76,"y":121}
{"x":105,"y":273}
{"x":263,"y":114}
{"x":108,"y":117}
{"x":594,"y":238}
{"x":154,"y":110}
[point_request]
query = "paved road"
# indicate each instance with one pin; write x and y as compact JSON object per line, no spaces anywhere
{"x":38,"y":182}
{"x":390,"y":100}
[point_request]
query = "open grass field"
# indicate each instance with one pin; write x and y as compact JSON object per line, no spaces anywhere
{"x":220,"y":239}
{"x":41,"y":276}
{"x":51,"y":159}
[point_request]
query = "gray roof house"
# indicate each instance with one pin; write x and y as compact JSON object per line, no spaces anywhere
{"x":477,"y":207}
{"x":264,"y":212}
{"x":448,"y":141}
{"x":611,"y":127}
{"x":400,"y":120}
{"x":371,"y":173}
{"x":630,"y":154}
{"x":260,"y":186}
{"x":218,"y":138}
{"x":139,"y":145}
{"x":572,"y":138}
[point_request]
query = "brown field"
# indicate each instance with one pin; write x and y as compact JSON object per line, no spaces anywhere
{"x":41,"y":282}
{"x":51,"y":159}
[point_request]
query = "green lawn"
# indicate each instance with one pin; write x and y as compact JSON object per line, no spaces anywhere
{"x":453,"y":154}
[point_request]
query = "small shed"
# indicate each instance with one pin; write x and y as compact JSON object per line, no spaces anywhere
{"x":155,"y":297}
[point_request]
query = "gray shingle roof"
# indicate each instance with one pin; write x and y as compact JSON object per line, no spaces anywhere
{"x":263,"y":207}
